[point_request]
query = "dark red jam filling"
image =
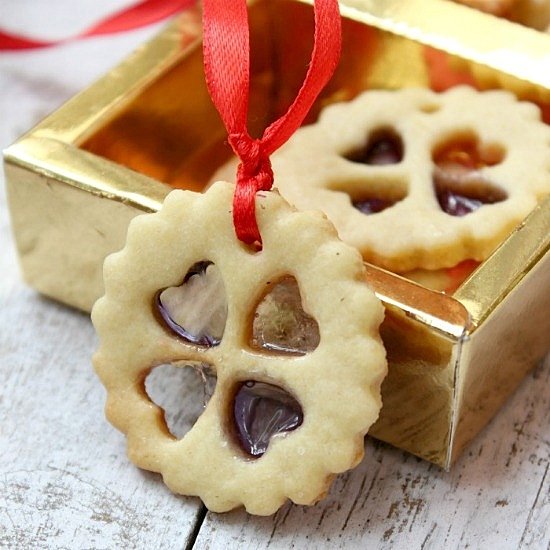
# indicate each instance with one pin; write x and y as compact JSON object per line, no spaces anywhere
{"x":372,"y":206}
{"x":203,"y":307}
{"x":459,"y":188}
{"x":456,"y":204}
{"x":261,"y":411}
{"x":382,"y":148}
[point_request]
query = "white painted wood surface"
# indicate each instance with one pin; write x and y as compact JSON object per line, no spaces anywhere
{"x":65,"y":481}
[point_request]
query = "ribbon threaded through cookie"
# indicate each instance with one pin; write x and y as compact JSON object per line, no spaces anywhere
{"x":227,"y":69}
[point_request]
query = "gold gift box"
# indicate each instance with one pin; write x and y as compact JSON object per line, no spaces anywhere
{"x":116,"y":149}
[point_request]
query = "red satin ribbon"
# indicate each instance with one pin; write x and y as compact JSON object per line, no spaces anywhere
{"x":226,"y":64}
{"x":139,"y":15}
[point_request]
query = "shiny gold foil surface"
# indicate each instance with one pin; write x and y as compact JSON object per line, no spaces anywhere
{"x":115,"y":150}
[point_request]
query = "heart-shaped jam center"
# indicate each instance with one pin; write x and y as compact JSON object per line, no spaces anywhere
{"x":460,"y":203}
{"x":459,"y":187}
{"x":372,"y":206}
{"x":262,"y":411}
{"x":280,"y":323}
{"x":182,"y":392}
{"x":383,"y":147}
{"x":197,"y":309}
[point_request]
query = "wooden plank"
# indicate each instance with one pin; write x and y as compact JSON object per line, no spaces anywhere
{"x":65,"y":480}
{"x":497,"y":495}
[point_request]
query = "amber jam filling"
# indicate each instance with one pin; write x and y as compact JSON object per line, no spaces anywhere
{"x":260,"y":411}
{"x":459,"y":186}
{"x":280,"y":323}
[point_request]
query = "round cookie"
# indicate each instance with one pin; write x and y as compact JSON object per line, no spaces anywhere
{"x":337,"y":387}
{"x":319,"y":168}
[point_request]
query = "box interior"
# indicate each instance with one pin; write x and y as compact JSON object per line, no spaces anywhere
{"x":171,"y":132}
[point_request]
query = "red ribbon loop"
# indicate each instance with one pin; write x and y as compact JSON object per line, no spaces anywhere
{"x":226,"y":64}
{"x":132,"y":17}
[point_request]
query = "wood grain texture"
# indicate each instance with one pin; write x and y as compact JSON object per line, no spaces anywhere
{"x":65,"y":481}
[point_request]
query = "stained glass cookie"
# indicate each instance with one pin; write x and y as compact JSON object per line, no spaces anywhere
{"x":291,"y":403}
{"x":419,"y":180}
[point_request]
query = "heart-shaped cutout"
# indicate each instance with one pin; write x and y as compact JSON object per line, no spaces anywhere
{"x":464,"y":154}
{"x":373,"y":205}
{"x":464,"y":197}
{"x":459,"y":187}
{"x":280,"y":323}
{"x":182,"y":392}
{"x":261,"y":411}
{"x":383,"y":147}
{"x":197,"y":309}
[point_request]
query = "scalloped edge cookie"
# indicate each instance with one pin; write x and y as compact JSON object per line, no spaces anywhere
{"x":337,"y":385}
{"x":312,"y":173}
